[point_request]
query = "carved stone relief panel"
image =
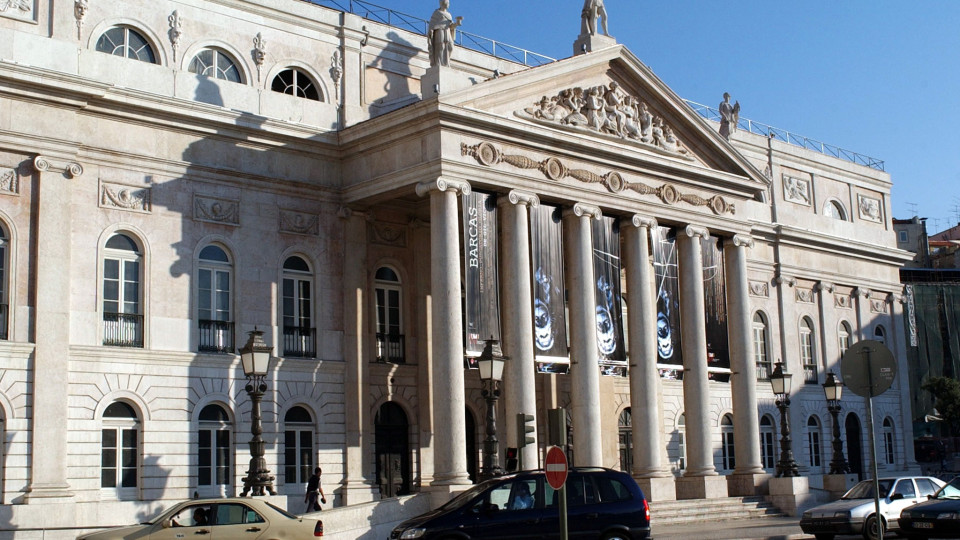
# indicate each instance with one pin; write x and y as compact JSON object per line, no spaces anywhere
{"x":842,"y":300}
{"x":216,"y":210}
{"x":295,"y":222}
{"x":17,"y":9}
{"x":869,"y":208}
{"x":9,"y":181}
{"x":796,"y":190}
{"x":124,"y":197}
{"x":804,"y":296}
{"x":878,"y":305}
{"x":760,"y":288}
{"x":387,"y":234}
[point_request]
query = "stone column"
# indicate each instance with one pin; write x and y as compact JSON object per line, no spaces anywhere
{"x":584,"y":369}
{"x":358,"y":482}
{"x":829,"y":327}
{"x":519,"y":380}
{"x":743,"y":381}
{"x":861,"y":298}
{"x":51,"y":385}
{"x":450,"y":452}
{"x":647,"y":428}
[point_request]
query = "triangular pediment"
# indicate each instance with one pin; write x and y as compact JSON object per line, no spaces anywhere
{"x":609,"y":95}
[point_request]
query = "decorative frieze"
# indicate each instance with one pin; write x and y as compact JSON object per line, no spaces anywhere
{"x":804,"y":296}
{"x":214,"y":210}
{"x":124,"y":197}
{"x":299,"y":223}
{"x":878,"y":305}
{"x":9,"y":182}
{"x":796,"y":190}
{"x":489,"y":155}
{"x":760,"y":288}
{"x":869,"y":208}
{"x":387,"y":234}
{"x":842,"y":300}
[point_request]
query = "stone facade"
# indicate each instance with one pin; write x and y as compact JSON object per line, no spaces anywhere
{"x":245,"y":208}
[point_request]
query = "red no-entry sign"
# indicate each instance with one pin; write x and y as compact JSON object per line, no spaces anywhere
{"x":556,"y":467}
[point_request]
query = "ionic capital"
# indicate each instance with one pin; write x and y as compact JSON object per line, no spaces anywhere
{"x":824,"y":286}
{"x":443,"y":184}
{"x":743,"y":240}
{"x":643,"y":222}
{"x":785,"y":280}
{"x":694,"y":231}
{"x":517,"y":196}
{"x":861,"y":292}
{"x":70,"y":169}
{"x":581,"y":210}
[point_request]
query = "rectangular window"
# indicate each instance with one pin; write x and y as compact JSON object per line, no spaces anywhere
{"x":813,"y":441}
{"x":213,"y":459}
{"x":888,"y":447}
{"x":767,"y":450}
{"x":806,"y":356}
{"x":903,"y":237}
{"x":297,"y":456}
{"x":118,"y":458}
{"x":729,"y":457}
{"x":760,"y":352}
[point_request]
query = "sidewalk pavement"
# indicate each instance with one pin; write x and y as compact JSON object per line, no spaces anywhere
{"x":772,"y":528}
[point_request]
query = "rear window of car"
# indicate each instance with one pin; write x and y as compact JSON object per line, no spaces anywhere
{"x":926,"y":487}
{"x":611,"y":489}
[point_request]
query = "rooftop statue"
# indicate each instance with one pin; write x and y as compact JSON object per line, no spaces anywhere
{"x":442,"y":34}
{"x":593,"y":11}
{"x":729,"y":116}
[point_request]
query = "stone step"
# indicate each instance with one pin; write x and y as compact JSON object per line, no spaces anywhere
{"x":700,"y":510}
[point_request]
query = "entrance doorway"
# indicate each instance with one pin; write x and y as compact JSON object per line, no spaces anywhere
{"x":472,"y":449}
{"x":392,"y":448}
{"x":854,"y":447}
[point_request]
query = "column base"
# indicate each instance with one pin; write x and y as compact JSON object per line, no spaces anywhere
{"x":47,"y":494}
{"x":838,"y":484}
{"x":658,"y":488}
{"x":747,"y":484}
{"x":358,"y":492}
{"x":790,"y":494}
{"x":701,"y":487}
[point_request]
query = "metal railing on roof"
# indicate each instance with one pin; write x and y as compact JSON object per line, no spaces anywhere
{"x":709,"y":113}
{"x":417,"y":25}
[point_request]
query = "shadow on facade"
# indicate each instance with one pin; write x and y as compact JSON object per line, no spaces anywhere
{"x":400,"y":88}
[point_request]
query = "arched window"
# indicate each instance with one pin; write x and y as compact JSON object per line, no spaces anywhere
{"x":889,"y":448}
{"x":768,"y":437}
{"x":834,"y":210}
{"x":625,"y":428}
{"x":122,"y":293}
{"x":814,"y":448}
{"x":390,"y":346}
{"x":807,"y":356}
{"x":880,"y":334}
{"x":760,"y":346}
{"x":295,"y":83}
{"x":127,"y":42}
{"x":216,"y":63}
{"x":843,"y":337}
{"x":214,"y":300}
{"x":214,"y":451}
{"x":681,"y":433}
{"x":4,"y":266}
{"x":299,"y":333}
{"x":297,"y":446}
{"x":120,"y":451}
{"x":726,"y":444}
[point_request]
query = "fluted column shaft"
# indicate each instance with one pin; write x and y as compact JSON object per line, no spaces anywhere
{"x":584,"y":370}
{"x":642,"y":327}
{"x":696,"y":390}
{"x":519,"y":381}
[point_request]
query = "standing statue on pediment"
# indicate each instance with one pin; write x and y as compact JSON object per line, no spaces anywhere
{"x":646,"y":124}
{"x":593,"y":12}
{"x":658,"y":132}
{"x":729,"y":116}
{"x":441,"y":35}
{"x":631,"y":113}
{"x":614,"y":104}
{"x":593,"y":108}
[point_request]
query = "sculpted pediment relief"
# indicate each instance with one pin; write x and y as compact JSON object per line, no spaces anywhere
{"x":608,"y":111}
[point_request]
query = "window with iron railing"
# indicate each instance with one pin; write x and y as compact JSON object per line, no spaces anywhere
{"x":299,"y":335}
{"x":215,"y":301}
{"x":390,"y":348}
{"x":3,"y":321}
{"x":123,"y":330}
{"x":299,"y":342}
{"x":215,"y":336}
{"x":122,"y":315}
{"x":760,"y":346}
{"x":807,"y":352}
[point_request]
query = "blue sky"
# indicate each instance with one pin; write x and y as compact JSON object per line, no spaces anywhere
{"x":877,"y":77}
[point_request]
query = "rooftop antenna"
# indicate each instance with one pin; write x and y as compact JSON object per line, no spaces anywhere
{"x":912,"y":207}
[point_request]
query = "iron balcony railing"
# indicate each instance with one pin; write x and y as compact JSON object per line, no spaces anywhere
{"x":123,"y":330}
{"x":709,"y":113}
{"x":3,"y":321}
{"x":299,"y":342}
{"x":216,"y":336}
{"x":390,"y":17}
{"x":763,"y":371}
{"x":390,"y":348}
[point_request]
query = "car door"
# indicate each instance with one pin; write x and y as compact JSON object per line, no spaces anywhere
{"x":190,"y":523}
{"x":904,"y":494}
{"x":583,"y":516}
{"x":237,"y":521}
{"x":512,"y":509}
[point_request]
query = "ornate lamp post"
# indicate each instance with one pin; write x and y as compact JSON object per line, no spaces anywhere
{"x":781,"y":388}
{"x":255,"y":357}
{"x":491,"y":372}
{"x":833,"y":389}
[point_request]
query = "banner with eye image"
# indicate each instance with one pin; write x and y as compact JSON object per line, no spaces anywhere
{"x":663,"y":241}
{"x":715,"y":308}
{"x":549,"y":315}
{"x":612,"y":354}
{"x":482,"y":303}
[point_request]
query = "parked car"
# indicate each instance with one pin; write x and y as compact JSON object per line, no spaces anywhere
{"x":855,"y":512}
{"x":249,"y":519}
{"x":602,"y":504}
{"x":938,"y":517}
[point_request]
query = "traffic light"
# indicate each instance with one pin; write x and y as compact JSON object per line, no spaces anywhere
{"x":557,"y":427}
{"x":524,"y":426}
{"x":513,"y":460}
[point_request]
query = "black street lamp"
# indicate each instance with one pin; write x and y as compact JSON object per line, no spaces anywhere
{"x":255,"y":357}
{"x":781,"y":388}
{"x":833,"y":389}
{"x":491,"y":372}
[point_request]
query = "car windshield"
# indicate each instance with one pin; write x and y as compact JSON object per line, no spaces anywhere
{"x":864,"y":490}
{"x":950,"y":491}
{"x":467,"y":495}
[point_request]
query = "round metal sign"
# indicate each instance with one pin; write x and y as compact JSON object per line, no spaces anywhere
{"x":868,"y":368}
{"x":556,"y":467}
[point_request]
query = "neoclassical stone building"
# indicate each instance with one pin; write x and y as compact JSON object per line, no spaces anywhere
{"x":174,"y":175}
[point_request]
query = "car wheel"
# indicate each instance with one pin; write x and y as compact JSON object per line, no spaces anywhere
{"x":616,"y":536}
{"x":823,"y":536}
{"x":870,"y":531}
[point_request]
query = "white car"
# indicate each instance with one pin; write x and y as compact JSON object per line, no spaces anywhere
{"x":855,"y":512}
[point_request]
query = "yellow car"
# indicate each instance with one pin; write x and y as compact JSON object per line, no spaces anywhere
{"x":232,"y":518}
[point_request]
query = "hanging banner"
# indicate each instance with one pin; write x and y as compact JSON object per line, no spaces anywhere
{"x":549,"y":318}
{"x":482,"y":304}
{"x":606,"y":272}
{"x":715,"y":306}
{"x":664,"y":243}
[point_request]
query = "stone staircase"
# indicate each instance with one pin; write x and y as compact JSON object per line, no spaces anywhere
{"x":705,"y":510}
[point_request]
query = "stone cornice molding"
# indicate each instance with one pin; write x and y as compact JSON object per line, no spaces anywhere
{"x":517,"y":196}
{"x":824,"y":287}
{"x":70,"y":169}
{"x":583,"y":209}
{"x":443,"y":184}
{"x":642,"y":222}
{"x":743,"y":240}
{"x":694,"y":231}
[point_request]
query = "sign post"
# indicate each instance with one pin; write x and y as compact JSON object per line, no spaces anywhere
{"x":868,"y":369}
{"x":556,"y":472}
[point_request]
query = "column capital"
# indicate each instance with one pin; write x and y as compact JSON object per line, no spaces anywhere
{"x":861,"y":292}
{"x":825,"y":287}
{"x":443,"y":184}
{"x":69,"y":168}
{"x":581,"y":209}
{"x":785,"y":280}
{"x":516,"y":196}
{"x":642,"y":222}
{"x":345,"y":212}
{"x":695,"y":231}
{"x":743,"y":240}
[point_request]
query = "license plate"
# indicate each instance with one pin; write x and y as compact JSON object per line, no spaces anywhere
{"x":922,"y":525}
